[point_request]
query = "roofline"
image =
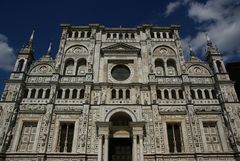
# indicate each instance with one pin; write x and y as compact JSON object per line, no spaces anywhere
{"x":143,"y":26}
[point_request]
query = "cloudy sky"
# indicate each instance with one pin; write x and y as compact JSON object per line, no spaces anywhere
{"x":219,"y":18}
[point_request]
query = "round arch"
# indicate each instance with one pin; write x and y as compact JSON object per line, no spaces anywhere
{"x":123,"y":110}
{"x":73,"y":47}
{"x":208,"y":70}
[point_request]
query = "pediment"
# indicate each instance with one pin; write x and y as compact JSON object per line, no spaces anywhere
{"x":120,"y":48}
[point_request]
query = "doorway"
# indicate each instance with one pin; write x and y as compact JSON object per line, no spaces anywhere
{"x":120,"y":149}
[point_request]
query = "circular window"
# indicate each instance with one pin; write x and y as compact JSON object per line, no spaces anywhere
{"x":120,"y":72}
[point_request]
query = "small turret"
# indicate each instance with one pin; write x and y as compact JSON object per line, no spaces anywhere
{"x":25,"y":56}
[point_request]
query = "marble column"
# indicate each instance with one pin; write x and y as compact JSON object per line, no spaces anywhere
{"x":141,"y":147}
{"x":106,"y":138}
{"x":134,"y":148}
{"x":100,"y":147}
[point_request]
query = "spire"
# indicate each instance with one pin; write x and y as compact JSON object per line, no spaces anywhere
{"x":30,"y":40}
{"x":47,"y":55}
{"x":27,"y":48}
{"x":209,"y":42}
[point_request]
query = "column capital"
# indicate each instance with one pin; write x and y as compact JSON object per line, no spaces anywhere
{"x":103,"y":128}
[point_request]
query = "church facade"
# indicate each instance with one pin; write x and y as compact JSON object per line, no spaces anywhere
{"x":119,"y":94}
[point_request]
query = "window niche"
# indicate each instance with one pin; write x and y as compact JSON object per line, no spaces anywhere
{"x":27,"y":137}
{"x":175,"y":141}
{"x":65,"y":137}
{"x":212,"y":138}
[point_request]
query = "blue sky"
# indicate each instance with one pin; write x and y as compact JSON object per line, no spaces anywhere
{"x":220,"y":18}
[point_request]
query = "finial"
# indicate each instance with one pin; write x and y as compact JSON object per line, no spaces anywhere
{"x":32,"y":35}
{"x":48,"y":53}
{"x":207,"y":37}
{"x":191,"y":50}
{"x":209,"y":42}
{"x":49,"y":48}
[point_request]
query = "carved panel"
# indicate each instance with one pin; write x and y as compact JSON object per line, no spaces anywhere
{"x":198,"y":70}
{"x":163,"y":51}
{"x":42,"y":69}
{"x":77,"y":50}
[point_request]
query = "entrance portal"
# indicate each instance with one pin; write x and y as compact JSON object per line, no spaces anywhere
{"x":120,"y":149}
{"x":120,"y":143}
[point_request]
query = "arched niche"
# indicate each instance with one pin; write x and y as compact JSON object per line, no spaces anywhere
{"x":159,"y":66}
{"x":77,"y":50}
{"x":69,"y":67}
{"x":81,"y":66}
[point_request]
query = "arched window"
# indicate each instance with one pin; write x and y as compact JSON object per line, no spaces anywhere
{"x":82,"y":92}
{"x":47,"y":94}
{"x":171,"y":65}
{"x":108,"y":35}
{"x":159,"y":94}
{"x":120,"y":36}
{"x":158,"y":35}
{"x":67,"y":93}
{"x":173,"y":93}
{"x":127,"y":94}
{"x":114,"y":35}
{"x":120,"y":94}
{"x":82,"y":34}
{"x":126,"y":36}
{"x":74,"y":95}
{"x":166,"y":94}
{"x":152,"y":35}
{"x":120,"y":119}
{"x":113,"y":94}
{"x":25,"y":94}
{"x":33,"y":92}
{"x":206,"y":92}
{"x":59,"y":95}
{"x":132,"y":36}
{"x":76,"y":34}
{"x":180,"y":93}
{"x":219,"y":66}
{"x":199,"y":92}
{"x":159,"y":66}
{"x":193,"y":94}
{"x":214,"y":95}
{"x":164,"y":35}
{"x":70,"y":34}
{"x":81,"y":66}
{"x":69,"y":67}
{"x":40,"y":93}
{"x":20,"y":65}
{"x":88,"y":34}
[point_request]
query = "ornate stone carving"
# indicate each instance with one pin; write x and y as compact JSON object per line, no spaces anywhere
{"x":77,"y":50}
{"x":198,"y":70}
{"x":173,"y":109}
{"x":42,"y":69}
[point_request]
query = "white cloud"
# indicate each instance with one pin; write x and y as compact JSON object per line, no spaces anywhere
{"x":7,"y":57}
{"x":219,"y":18}
{"x":171,"y":7}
